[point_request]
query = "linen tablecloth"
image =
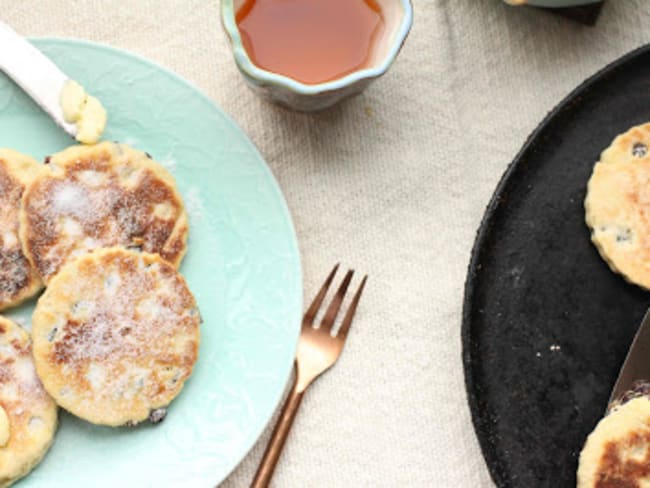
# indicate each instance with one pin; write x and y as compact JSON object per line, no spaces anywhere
{"x":393,"y":182}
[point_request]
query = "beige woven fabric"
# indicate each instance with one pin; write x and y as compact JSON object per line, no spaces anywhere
{"x":393,"y":182}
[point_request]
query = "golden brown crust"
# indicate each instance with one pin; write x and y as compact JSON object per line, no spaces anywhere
{"x":31,"y":411}
{"x":101,"y":196}
{"x":18,"y":279}
{"x":618,"y":205}
{"x":617,"y":452}
{"x":116,"y":334}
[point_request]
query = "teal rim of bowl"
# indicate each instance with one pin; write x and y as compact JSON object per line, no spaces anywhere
{"x":263,"y":76}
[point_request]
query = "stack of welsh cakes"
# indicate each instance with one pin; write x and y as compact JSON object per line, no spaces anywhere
{"x":116,"y":332}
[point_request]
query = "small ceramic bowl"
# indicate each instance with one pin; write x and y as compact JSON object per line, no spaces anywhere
{"x":551,"y":3}
{"x":398,"y":15}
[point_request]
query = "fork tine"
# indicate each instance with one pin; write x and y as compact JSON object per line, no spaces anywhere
{"x":347,"y":320}
{"x":335,"y":305}
{"x":310,"y":314}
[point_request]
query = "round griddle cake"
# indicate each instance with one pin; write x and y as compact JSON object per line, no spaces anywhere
{"x":18,"y":279}
{"x":28,"y":416}
{"x":617,"y":452}
{"x":116,"y":335}
{"x":618,"y":205}
{"x":101,"y":196}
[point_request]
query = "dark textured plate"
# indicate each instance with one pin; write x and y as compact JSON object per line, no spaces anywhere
{"x":585,"y":14}
{"x":546,"y":324}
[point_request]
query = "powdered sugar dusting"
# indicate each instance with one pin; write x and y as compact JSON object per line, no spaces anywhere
{"x":17,"y":278}
{"x":131,"y":141}
{"x":194,"y":204}
{"x":169,"y":164}
{"x":128,"y":328}
{"x":93,"y":178}
{"x":9,"y":239}
{"x":111,"y":197}
{"x":69,"y":199}
{"x":23,"y":396}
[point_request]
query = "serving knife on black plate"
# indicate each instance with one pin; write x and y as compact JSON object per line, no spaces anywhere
{"x":634,"y":377}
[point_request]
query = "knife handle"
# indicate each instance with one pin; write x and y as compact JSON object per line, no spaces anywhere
{"x":35,"y":73}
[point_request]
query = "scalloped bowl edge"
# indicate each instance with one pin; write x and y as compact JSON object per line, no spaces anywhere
{"x":304,"y":97}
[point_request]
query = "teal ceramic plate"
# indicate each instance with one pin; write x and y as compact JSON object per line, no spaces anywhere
{"x":242,"y":264}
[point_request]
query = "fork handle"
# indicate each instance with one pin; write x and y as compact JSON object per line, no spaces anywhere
{"x":278,"y":437}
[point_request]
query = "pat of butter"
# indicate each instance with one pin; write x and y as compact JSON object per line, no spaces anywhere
{"x":5,"y":431}
{"x":73,"y":99}
{"x":84,"y":111}
{"x":92,"y":121}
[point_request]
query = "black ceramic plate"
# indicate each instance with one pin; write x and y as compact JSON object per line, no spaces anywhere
{"x":546,"y":324}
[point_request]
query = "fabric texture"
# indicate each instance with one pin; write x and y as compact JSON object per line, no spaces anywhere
{"x":393,"y":183}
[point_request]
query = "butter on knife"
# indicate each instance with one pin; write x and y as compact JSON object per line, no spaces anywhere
{"x":83,"y":110}
{"x":80,"y":115}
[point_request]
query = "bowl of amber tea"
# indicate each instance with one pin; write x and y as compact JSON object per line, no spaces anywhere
{"x":310,"y":54}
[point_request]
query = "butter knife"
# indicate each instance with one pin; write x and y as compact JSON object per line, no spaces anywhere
{"x":636,"y":366}
{"x":35,"y":73}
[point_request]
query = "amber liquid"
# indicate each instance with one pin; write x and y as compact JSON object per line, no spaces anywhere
{"x":312,"y":41}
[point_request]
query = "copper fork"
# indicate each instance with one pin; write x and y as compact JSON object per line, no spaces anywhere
{"x":317,"y":351}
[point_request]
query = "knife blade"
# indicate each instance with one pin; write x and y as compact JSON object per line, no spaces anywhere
{"x":35,"y":73}
{"x":636,"y":366}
